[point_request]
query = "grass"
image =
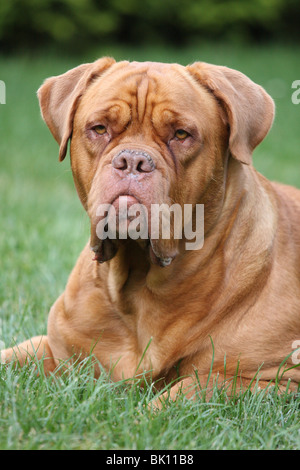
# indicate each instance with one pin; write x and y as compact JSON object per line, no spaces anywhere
{"x":42,"y":231}
{"x":75,"y":412}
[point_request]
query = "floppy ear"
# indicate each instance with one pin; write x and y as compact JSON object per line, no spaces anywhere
{"x":59,"y":97}
{"x":248,"y":107}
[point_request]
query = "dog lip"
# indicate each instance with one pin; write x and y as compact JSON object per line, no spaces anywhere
{"x":158,"y":259}
{"x":129,"y":194}
{"x":96,"y":248}
{"x":130,"y":199}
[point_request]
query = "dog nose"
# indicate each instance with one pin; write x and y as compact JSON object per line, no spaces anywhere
{"x":133,"y":161}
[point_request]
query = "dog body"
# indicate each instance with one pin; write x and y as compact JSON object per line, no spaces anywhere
{"x":161,"y":134}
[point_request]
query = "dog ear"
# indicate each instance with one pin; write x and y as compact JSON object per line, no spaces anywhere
{"x":248,"y":107}
{"x":59,"y":96}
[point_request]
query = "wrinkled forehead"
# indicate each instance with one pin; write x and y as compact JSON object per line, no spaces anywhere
{"x":147,"y":84}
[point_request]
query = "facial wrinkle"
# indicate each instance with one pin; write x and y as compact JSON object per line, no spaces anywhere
{"x":142,"y":93}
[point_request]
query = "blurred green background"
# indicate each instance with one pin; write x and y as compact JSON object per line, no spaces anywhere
{"x":76,"y":24}
{"x":42,"y":224}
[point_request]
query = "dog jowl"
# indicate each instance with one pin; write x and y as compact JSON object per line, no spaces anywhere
{"x":152,"y":135}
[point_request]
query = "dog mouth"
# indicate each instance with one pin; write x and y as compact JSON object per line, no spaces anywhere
{"x":126,"y":217}
{"x":107,"y":249}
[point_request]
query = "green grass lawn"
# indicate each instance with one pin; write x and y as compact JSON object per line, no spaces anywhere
{"x":42,"y":231}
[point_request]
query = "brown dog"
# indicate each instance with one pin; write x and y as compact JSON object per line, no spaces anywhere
{"x":153,"y":133}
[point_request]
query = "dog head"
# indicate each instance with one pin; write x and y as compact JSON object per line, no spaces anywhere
{"x":151,"y":134}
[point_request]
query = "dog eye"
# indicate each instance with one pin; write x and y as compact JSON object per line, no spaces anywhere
{"x":100,"y":130}
{"x":181,"y":134}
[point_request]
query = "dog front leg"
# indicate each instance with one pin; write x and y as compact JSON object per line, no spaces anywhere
{"x":36,"y":348}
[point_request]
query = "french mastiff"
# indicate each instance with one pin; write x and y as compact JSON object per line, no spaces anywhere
{"x":154,"y":133}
